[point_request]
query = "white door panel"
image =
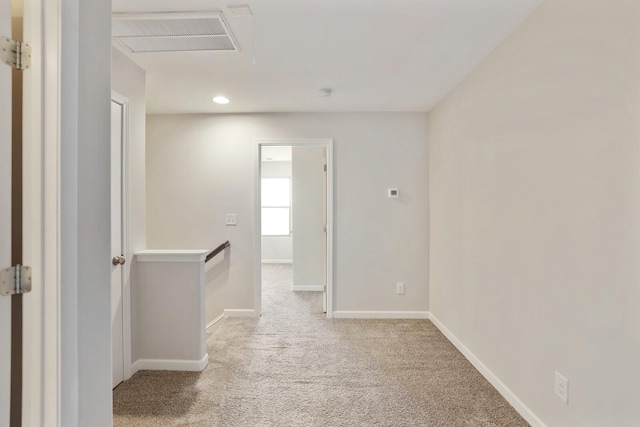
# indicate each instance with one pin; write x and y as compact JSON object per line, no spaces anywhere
{"x":309,"y":217}
{"x":117,"y":348}
{"x":324,"y":229}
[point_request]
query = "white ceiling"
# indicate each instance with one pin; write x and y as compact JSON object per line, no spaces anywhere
{"x":276,"y":153}
{"x":391,"y":55}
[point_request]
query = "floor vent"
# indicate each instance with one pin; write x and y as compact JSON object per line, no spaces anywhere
{"x":173,"y":32}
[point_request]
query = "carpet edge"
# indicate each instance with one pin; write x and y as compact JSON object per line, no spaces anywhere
{"x":493,"y":379}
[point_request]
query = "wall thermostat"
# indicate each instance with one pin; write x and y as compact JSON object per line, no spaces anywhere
{"x":392,"y":193}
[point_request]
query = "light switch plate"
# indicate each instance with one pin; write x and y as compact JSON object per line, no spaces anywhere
{"x":231,"y":220}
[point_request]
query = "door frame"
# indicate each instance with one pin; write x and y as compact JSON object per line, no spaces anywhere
{"x":126,"y":270}
{"x":47,"y":399}
{"x":42,"y":347}
{"x":6,"y":226}
{"x":327,"y":143}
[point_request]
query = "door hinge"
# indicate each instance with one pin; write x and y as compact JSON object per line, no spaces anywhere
{"x":15,"y":54}
{"x":325,"y":167}
{"x":15,"y":280}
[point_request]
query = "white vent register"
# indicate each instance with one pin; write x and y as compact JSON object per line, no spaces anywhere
{"x":173,"y":32}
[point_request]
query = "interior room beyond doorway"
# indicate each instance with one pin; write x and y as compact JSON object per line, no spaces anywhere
{"x":293,"y":217}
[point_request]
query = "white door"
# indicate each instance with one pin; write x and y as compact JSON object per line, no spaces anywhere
{"x":5,"y":216}
{"x":309,"y":218}
{"x":117,"y":268}
{"x":324,"y":229}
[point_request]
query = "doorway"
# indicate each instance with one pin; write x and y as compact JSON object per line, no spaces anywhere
{"x":294,"y":211}
{"x":120,"y":315}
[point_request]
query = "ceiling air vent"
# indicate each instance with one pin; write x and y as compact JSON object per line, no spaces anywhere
{"x":173,"y":32}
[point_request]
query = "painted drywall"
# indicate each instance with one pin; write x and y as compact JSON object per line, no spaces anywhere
{"x":200,"y":167}
{"x":172,"y":318}
{"x":277,"y":248}
{"x":128,"y":80}
{"x":308,"y":213}
{"x":84,"y":208}
{"x":535,"y":212}
{"x":5,"y":219}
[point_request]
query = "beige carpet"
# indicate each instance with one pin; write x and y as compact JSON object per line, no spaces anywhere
{"x":293,"y":367}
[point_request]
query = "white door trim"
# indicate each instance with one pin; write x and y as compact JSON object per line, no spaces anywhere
{"x":126,"y":271}
{"x":41,"y":217}
{"x":294,"y":142}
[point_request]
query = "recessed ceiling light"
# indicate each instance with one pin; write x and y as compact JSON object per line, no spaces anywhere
{"x":221,"y":100}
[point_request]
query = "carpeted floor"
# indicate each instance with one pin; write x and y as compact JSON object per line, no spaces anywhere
{"x":293,"y":367}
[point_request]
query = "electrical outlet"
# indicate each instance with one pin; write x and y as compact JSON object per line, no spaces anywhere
{"x":561,"y":387}
{"x":231,"y":220}
{"x":400,"y":288}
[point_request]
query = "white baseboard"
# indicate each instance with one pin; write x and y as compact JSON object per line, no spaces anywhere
{"x":510,"y":396}
{"x":170,"y":365}
{"x":381,"y":314}
{"x":307,"y":288}
{"x":214,"y":321}
{"x":277,"y":261}
{"x":240,"y":313}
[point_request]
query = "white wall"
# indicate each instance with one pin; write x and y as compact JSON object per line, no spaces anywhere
{"x":200,"y":167}
{"x":84,"y":207}
{"x":535,"y":211}
{"x":277,"y":248}
{"x":5,"y":218}
{"x":308,"y":208}
{"x":129,"y":80}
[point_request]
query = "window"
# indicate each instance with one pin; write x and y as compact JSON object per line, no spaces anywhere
{"x":276,"y":206}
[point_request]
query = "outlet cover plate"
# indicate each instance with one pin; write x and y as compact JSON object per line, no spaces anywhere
{"x":561,"y":387}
